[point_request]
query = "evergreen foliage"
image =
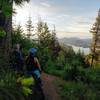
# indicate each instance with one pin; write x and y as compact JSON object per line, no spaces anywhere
{"x":95,"y":47}
{"x":2,"y":32}
{"x":29,"y":27}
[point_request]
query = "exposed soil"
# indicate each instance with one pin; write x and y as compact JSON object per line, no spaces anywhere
{"x":49,"y":88}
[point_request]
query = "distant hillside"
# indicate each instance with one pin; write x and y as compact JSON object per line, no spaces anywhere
{"x":76,"y":42}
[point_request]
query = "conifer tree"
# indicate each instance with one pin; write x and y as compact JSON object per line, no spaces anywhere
{"x":30,"y":28}
{"x":17,"y":35}
{"x":54,"y":44}
{"x":95,"y":48}
{"x":43,"y":34}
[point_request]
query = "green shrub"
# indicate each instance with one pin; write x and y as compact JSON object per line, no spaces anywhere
{"x":76,"y":91}
{"x":7,"y":78}
{"x":2,"y":32}
{"x":8,"y":86}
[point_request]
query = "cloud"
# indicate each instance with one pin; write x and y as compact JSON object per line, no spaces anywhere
{"x":45,"y":4}
{"x":62,"y":34}
{"x":62,"y":16}
{"x":81,"y":20}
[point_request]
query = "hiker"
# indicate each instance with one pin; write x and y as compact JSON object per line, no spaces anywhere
{"x":34,"y":69}
{"x":17,"y":59}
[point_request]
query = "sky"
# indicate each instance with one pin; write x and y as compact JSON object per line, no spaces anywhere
{"x":72,"y":18}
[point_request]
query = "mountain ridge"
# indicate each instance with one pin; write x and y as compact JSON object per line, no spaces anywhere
{"x":85,"y":43}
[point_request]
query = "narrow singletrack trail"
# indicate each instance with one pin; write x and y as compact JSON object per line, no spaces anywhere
{"x":49,"y":88}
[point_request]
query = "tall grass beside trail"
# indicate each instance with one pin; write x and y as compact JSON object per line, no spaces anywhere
{"x":72,"y":90}
{"x":15,"y":87}
{"x":80,"y":84}
{"x":9,"y":90}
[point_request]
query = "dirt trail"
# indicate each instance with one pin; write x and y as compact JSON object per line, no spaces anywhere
{"x":50,"y":90}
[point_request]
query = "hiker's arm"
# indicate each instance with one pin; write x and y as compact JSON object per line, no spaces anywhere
{"x":38,"y":64}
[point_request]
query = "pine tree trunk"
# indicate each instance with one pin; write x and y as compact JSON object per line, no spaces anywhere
{"x":5,"y":44}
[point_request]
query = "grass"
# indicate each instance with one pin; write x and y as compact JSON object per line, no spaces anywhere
{"x":13,"y":88}
{"x":85,"y":87}
{"x":71,"y":90}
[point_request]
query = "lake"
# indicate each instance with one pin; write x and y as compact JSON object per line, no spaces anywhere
{"x":85,"y":50}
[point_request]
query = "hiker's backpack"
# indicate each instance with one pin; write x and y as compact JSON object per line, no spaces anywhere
{"x":31,"y":64}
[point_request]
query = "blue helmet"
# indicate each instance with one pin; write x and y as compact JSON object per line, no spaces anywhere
{"x":33,"y":51}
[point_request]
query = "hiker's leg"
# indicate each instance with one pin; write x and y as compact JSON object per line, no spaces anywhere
{"x":38,"y":87}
